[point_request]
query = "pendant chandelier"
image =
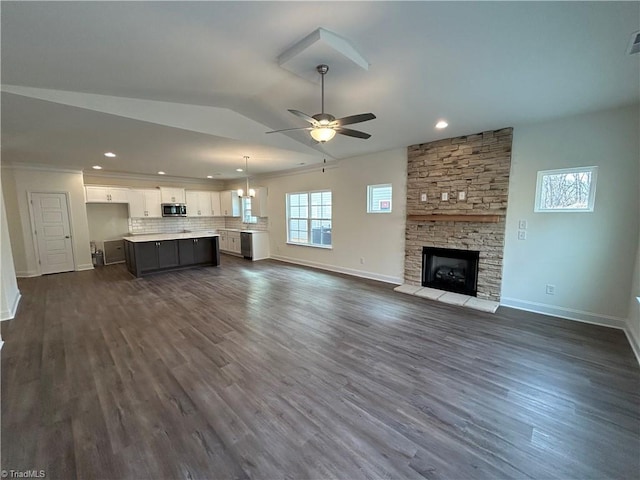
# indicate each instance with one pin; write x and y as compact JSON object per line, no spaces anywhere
{"x":250,"y":192}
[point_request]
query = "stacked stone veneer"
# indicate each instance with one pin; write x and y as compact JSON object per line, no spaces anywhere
{"x":478,"y":165}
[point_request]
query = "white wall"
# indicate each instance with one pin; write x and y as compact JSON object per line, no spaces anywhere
{"x":17,"y":183}
{"x":107,"y":221}
{"x":589,"y":257}
{"x":378,"y":239}
{"x":9,"y":293}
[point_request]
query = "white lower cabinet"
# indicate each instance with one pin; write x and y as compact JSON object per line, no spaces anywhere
{"x":234,"y":242}
{"x":230,"y":241}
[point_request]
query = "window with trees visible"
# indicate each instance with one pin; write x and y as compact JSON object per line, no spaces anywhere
{"x":246,"y":211}
{"x":566,"y":190}
{"x":379,"y":198}
{"x":309,"y":218}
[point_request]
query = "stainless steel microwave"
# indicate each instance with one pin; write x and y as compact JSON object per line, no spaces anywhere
{"x":174,"y":210}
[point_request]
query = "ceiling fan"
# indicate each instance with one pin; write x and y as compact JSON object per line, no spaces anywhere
{"x":324,"y":126}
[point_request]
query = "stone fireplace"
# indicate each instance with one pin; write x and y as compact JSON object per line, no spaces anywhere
{"x":457,"y":192}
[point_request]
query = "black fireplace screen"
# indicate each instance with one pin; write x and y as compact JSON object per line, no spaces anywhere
{"x":450,"y":269}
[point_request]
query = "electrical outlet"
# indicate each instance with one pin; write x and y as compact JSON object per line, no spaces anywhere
{"x":522,"y":224}
{"x":522,"y":234}
{"x":445,"y":196}
{"x":551,"y":289}
{"x":361,"y":260}
{"x":462,"y":195}
{"x":423,"y":197}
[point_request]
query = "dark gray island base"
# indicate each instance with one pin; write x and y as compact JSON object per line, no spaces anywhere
{"x":147,"y":254}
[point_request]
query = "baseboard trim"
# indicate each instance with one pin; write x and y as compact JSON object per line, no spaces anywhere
{"x":634,"y":342}
{"x":567,"y":313}
{"x":27,"y":274}
{"x":347,"y":271}
{"x":10,"y":313}
{"x":84,"y":266}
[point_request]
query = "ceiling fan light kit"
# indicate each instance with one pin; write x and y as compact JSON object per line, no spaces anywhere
{"x":324,"y":126}
{"x":322,"y":134}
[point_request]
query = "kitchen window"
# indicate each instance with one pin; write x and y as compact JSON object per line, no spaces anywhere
{"x":566,"y":190}
{"x":246,"y":211}
{"x":309,"y":218}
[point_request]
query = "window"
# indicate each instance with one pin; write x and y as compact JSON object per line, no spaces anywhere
{"x":379,"y":198}
{"x":309,"y":218}
{"x":566,"y":190}
{"x":246,"y":211}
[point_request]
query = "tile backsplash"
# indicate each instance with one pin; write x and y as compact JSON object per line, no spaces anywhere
{"x":177,"y":225}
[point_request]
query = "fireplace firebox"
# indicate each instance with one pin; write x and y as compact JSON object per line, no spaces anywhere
{"x":450,"y":269}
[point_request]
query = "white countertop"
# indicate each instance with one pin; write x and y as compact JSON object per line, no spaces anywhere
{"x":242,"y":230}
{"x":158,"y":237}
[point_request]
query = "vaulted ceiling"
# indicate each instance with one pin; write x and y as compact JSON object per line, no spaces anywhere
{"x":189,"y":88}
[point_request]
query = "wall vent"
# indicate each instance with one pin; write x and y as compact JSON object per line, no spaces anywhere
{"x":634,"y":43}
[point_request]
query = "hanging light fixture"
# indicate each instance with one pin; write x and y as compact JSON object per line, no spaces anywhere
{"x":250,"y":191}
{"x":322,"y":134}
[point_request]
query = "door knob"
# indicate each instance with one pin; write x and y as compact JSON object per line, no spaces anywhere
{"x":67,"y":236}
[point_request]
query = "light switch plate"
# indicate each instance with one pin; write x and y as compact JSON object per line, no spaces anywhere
{"x":423,"y":197}
{"x":462,"y":195}
{"x":522,"y":224}
{"x":445,"y":196}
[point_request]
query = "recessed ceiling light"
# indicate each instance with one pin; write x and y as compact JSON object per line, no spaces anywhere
{"x":239,"y":170}
{"x":109,"y":154}
{"x":209,"y":176}
{"x":97,"y":167}
{"x":442,"y":124}
{"x":160,"y":173}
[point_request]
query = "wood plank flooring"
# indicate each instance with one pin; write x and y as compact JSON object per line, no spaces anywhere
{"x":266,"y":370}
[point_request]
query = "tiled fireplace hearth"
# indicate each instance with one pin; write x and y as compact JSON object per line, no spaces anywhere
{"x":473,"y":172}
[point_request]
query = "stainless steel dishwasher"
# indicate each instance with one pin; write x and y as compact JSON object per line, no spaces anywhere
{"x":246,"y":245}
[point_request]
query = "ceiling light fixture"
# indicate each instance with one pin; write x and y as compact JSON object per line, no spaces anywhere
{"x":209,"y":176}
{"x":239,"y":170}
{"x":110,"y":154}
{"x":97,"y":167}
{"x":441,"y":124}
{"x":161,"y":173}
{"x":250,"y":191}
{"x":322,"y":134}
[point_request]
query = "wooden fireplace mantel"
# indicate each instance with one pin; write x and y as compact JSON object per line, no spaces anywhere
{"x":444,"y":217}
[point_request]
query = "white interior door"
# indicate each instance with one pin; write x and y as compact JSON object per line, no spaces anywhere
{"x":53,"y":235}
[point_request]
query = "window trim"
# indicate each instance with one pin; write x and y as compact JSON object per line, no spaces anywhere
{"x":537,"y":208}
{"x":370,"y":189}
{"x":308,"y":219}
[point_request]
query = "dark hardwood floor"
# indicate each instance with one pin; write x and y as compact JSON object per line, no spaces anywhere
{"x":267,"y":370}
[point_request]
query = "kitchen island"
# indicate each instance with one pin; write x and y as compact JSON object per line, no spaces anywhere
{"x":161,"y":252}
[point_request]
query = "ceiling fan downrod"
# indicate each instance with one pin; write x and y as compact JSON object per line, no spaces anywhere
{"x":322,"y":70}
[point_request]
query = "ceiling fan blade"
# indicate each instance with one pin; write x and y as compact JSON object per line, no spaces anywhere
{"x":352,"y":133}
{"x":363,"y":117}
{"x":290,"y":129}
{"x":304,"y":116}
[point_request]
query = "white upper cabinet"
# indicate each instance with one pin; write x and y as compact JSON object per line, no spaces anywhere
{"x":172,"y":195}
{"x":106,"y":194}
{"x":198,"y":204}
{"x":145,"y":203}
{"x":215,"y":204}
{"x":259,"y":203}
{"x":229,"y":203}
